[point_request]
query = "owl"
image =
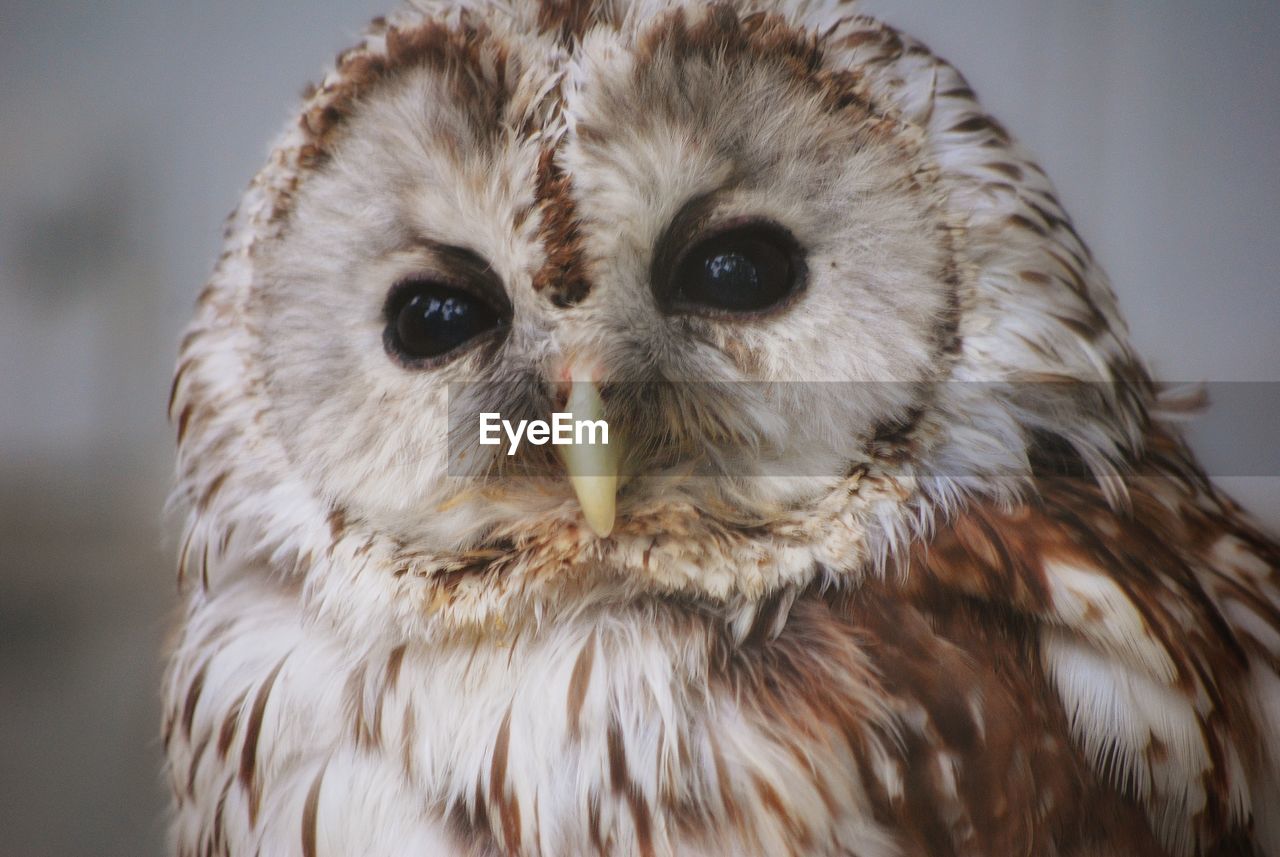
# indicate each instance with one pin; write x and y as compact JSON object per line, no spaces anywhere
{"x":894,"y":549}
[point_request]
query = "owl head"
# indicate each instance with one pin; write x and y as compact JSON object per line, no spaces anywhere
{"x":817,"y":294}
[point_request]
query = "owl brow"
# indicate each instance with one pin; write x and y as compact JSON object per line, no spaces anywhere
{"x":465,"y":264}
{"x":468,"y":57}
{"x":724,"y":35}
{"x":684,"y":226}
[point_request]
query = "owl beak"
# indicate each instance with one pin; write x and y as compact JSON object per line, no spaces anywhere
{"x":592,"y":466}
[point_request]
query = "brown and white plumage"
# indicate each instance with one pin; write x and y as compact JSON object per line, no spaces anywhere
{"x":990,"y":606}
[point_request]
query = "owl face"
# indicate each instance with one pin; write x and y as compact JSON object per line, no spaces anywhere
{"x":693,"y":213}
{"x":773,"y":245}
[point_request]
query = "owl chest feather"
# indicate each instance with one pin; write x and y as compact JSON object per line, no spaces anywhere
{"x":992,"y":701}
{"x":857,"y":730}
{"x":642,"y":731}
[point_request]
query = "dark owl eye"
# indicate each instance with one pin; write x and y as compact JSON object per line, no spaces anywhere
{"x":744,"y":270}
{"x":428,"y":319}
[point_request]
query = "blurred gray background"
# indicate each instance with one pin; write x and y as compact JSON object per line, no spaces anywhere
{"x":128,"y":128}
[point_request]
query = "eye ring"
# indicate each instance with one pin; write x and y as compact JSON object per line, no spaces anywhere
{"x":743,"y":269}
{"x":430,"y":320}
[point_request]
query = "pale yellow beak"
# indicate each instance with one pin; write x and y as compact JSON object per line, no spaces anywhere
{"x":592,"y":467}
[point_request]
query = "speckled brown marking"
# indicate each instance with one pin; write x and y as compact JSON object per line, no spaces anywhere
{"x":212,"y":489}
{"x":204,"y":567}
{"x":981,"y":124}
{"x":252,"y":732}
{"x":508,"y":810}
{"x":337,"y":523}
{"x":893,"y":435}
{"x":773,"y":802}
{"x":845,"y":90}
{"x":482,"y":824}
{"x":884,"y":38}
{"x":520,"y":216}
{"x":745,"y":359}
{"x":579,"y":682}
{"x":178,"y":374}
{"x":395,"y":661}
{"x":201,"y":746}
{"x":191,"y":337}
{"x":184,"y":419}
{"x":217,"y":841}
{"x":593,"y":825}
{"x":466,"y":819}
{"x":619,"y":776}
{"x":563,"y":276}
{"x":722,"y":37}
{"x":568,"y":19}
{"x":409,"y":729}
{"x":1012,"y":171}
{"x":310,"y":816}
{"x":480,"y":84}
{"x":363,"y":733}
{"x":913,"y":647}
{"x":981,"y":554}
{"x":1052,"y":455}
{"x":620,"y":781}
{"x":643,"y":821}
{"x":998,"y":557}
{"x":1055,"y":221}
{"x":229,"y":723}
{"x":193,"y":697}
{"x":769,"y":617}
{"x":1070,"y":273}
{"x":225,"y":539}
{"x":1021,"y":221}
{"x":808,"y":681}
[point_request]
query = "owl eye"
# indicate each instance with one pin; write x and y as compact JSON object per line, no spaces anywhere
{"x":745,"y":271}
{"x":428,"y":320}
